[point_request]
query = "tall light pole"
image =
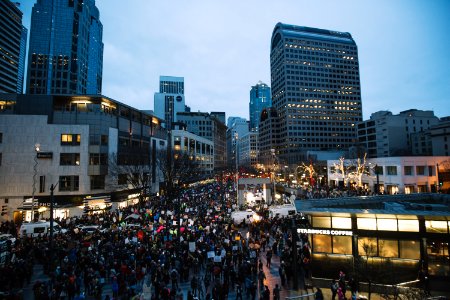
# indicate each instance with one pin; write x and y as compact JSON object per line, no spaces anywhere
{"x":273,"y":165}
{"x":36,"y":149}
{"x":236,"y":136}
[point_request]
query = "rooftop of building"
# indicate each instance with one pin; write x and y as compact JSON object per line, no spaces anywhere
{"x":313,"y":33}
{"x":399,"y":206}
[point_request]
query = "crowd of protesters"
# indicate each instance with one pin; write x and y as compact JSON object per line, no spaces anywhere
{"x":189,"y":239}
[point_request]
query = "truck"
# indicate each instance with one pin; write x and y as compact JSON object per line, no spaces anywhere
{"x":246,"y":216}
{"x":35,"y":229}
{"x":282,"y":211}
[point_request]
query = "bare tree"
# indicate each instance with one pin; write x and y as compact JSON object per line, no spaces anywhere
{"x":131,"y":171}
{"x":178,"y":169}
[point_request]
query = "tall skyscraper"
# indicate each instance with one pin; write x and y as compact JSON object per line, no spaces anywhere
{"x":259,"y":99}
{"x":170,"y":99}
{"x":12,"y":48}
{"x":66,"y":48}
{"x":315,"y":89}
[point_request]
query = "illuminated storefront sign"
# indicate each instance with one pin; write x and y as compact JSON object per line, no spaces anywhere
{"x":324,"y":231}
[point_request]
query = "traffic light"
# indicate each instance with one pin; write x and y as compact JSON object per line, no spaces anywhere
{"x":4,"y":210}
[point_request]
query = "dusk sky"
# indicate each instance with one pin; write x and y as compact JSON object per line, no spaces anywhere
{"x":221,"y":48}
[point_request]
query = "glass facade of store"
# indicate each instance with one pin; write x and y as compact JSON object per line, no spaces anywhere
{"x":409,"y":241}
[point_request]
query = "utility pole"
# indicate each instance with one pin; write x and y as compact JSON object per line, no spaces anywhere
{"x":52,"y":201}
{"x":36,"y":149}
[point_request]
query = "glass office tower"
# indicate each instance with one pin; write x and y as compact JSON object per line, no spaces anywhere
{"x":12,"y":49}
{"x":66,"y":48}
{"x":315,"y":89}
{"x":259,"y":99}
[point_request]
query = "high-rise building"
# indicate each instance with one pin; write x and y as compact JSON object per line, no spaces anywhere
{"x":237,"y":128}
{"x":12,"y":48}
{"x":260,"y":98}
{"x":66,"y":48}
{"x":315,"y":89}
{"x":170,"y":99}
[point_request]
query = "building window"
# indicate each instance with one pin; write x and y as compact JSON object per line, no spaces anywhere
{"x":391,"y":170}
{"x":430,"y":171}
{"x":436,"y":226}
{"x":98,"y":159}
{"x":367,"y":246}
{"x":408,"y":170}
{"x":97,"y":182}
{"x":420,"y":170}
{"x":1,"y":137}
{"x":104,"y":140}
{"x":321,"y":222}
{"x":321,"y":243}
{"x":410,"y":249}
{"x":41,"y":184}
{"x":388,"y":248}
{"x":1,"y":157}
{"x":367,"y":223}
{"x":342,"y":223}
{"x":122,"y":179}
{"x":69,"y":183}
{"x":387,"y":224}
{"x":69,"y":159}
{"x":70,"y":139}
{"x":408,"y":225}
{"x":342,"y":244}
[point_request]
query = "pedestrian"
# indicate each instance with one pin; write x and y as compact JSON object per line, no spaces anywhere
{"x":261,"y":277}
{"x":266,"y":293}
{"x":282,"y":273}
{"x":342,"y":283}
{"x":238,"y":291}
{"x":276,"y":292}
{"x":334,"y":288}
{"x":269,"y":257}
{"x":318,"y":295}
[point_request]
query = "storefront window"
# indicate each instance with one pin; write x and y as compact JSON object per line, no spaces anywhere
{"x":410,"y":249}
{"x":408,"y":225}
{"x":387,"y":224}
{"x":322,"y":222}
{"x":342,"y":244}
{"x":438,"y":259}
{"x":436,"y":226}
{"x":388,"y":248}
{"x":342,"y":223}
{"x":367,"y":223}
{"x":367,"y":246}
{"x":321,"y":243}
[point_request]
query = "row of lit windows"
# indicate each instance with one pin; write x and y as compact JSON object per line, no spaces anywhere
{"x":382,"y":224}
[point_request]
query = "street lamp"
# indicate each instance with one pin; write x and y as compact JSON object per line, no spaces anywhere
{"x":377,"y":172}
{"x":274,"y":157}
{"x":236,"y":136}
{"x":36,"y":149}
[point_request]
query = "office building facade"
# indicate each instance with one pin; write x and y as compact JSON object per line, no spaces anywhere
{"x":260,"y":98}
{"x":13,"y":38}
{"x":66,"y":48}
{"x":315,"y":89}
{"x":248,"y":150}
{"x":209,"y":127}
{"x":170,"y":99}
{"x":237,"y":128}
{"x":83,"y":142}
{"x":385,"y":134}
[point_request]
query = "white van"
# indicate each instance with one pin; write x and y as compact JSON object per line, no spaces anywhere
{"x":239,"y":216}
{"x":282,"y":211}
{"x":39,"y":228}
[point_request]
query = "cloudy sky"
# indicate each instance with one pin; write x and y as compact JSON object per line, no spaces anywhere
{"x":221,"y":48}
